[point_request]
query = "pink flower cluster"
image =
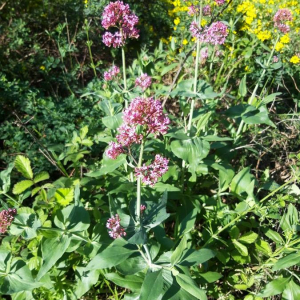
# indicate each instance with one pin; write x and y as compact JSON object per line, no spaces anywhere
{"x":193,"y":10}
{"x":6,"y":218}
{"x":203,"y":54}
{"x":111,"y":73}
{"x":144,"y":81}
{"x":143,"y":208}
{"x":115,"y":228}
{"x":118,"y":15}
{"x":145,"y":112}
{"x":219,"y":2}
{"x":283,"y":15}
{"x":206,"y":10}
{"x":151,"y":173}
{"x":216,"y":33}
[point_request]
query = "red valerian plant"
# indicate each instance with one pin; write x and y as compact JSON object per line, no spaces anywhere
{"x":6,"y":218}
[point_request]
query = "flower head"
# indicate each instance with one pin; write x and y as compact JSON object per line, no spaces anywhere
{"x":206,"y":10}
{"x":118,"y":15}
{"x":151,"y":173}
{"x":219,"y":2}
{"x":148,"y":113}
{"x":144,"y":81}
{"x":215,"y":34}
{"x":6,"y":218}
{"x":115,"y":228}
{"x":282,"y":16}
{"x":114,"y":150}
{"x":111,"y":73}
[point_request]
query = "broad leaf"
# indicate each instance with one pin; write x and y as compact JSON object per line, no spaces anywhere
{"x":192,"y":150}
{"x":110,"y":257}
{"x":25,"y":225}
{"x":52,"y":251}
{"x":192,"y":257}
{"x":179,"y":251}
{"x":274,"y":287}
{"x":72,"y":218}
{"x":108,"y":165}
{"x":152,"y":287}
{"x":64,"y":196}
{"x":248,"y":238}
{"x":113,"y":122}
{"x":41,"y":177}
{"x":131,"y":282}
{"x":243,"y":182}
{"x":291,"y":291}
{"x":22,"y":186}
{"x":22,"y":164}
{"x":287,"y":261}
{"x":188,"y":284}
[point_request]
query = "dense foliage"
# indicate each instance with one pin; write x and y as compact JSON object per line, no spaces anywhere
{"x":149,"y":150}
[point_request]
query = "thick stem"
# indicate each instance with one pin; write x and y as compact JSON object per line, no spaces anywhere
{"x":240,"y":129}
{"x":148,"y":254}
{"x":138,"y":192}
{"x":124,"y":75}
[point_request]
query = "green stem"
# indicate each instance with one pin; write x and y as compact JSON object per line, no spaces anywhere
{"x":138,"y":192}
{"x":89,"y":43}
{"x":241,"y":127}
{"x":124,"y":75}
{"x":148,"y":254}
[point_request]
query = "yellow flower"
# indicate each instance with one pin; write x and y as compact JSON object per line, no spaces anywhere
{"x":185,"y":41}
{"x":285,"y":39}
{"x":42,"y":68}
{"x":295,"y":59}
{"x":247,"y":68}
{"x":279,"y":46}
{"x":264,"y":35}
{"x":194,"y":53}
{"x":176,"y":21}
{"x":203,"y":22}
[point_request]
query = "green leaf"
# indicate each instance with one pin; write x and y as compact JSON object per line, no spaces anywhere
{"x":192,"y":257}
{"x":83,"y":132}
{"x":274,"y":287}
{"x":132,"y":265}
{"x":72,"y":218}
{"x":243,"y":87}
{"x":113,"y":122}
{"x":64,"y":196}
{"x":5,"y":178}
{"x":258,"y":116}
{"x":110,"y":257}
{"x":274,"y":236}
{"x":41,"y":177}
{"x":287,"y":261}
{"x":152,"y":287}
{"x":243,"y":182}
{"x":290,"y":219}
{"x":264,"y":247}
{"x":192,"y":150}
{"x":269,"y":98}
{"x":243,"y":250}
{"x":210,"y":277}
{"x":21,"y":186}
{"x":18,"y":279}
{"x":25,"y":225}
{"x":131,"y":282}
{"x":85,"y":280}
{"x":248,"y":238}
{"x":291,"y":291}
{"x":156,"y":213}
{"x":168,"y":68}
{"x":22,"y":164}
{"x":52,"y":251}
{"x":188,"y":284}
{"x":179,"y":251}
{"x":139,"y":238}
{"x":108,"y":165}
